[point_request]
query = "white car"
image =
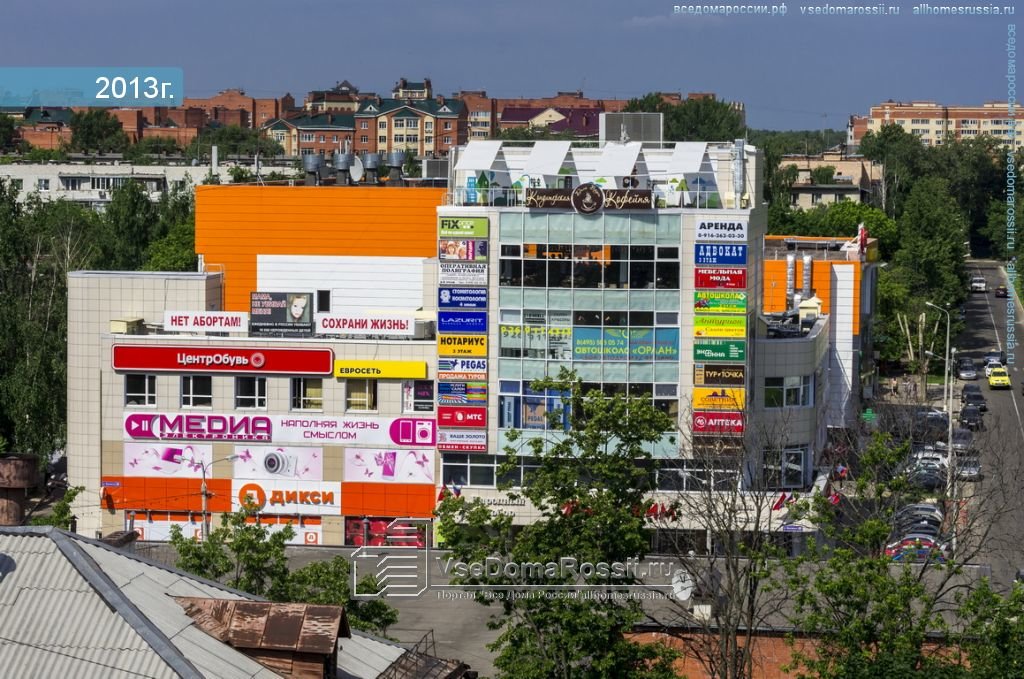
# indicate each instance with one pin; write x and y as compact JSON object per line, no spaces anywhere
{"x":978,"y":284}
{"x":991,"y":365}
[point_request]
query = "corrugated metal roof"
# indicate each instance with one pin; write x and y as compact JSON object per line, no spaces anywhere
{"x":365,"y":657}
{"x":75,"y":607}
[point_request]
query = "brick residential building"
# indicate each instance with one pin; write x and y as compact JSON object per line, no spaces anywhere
{"x":342,"y":97}
{"x":46,"y":128}
{"x":308,"y":134}
{"x":260,"y":111}
{"x":419,"y":126}
{"x":933,"y":122}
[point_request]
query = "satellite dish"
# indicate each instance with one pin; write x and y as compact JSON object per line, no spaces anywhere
{"x":682,"y":585}
{"x":356,"y":171}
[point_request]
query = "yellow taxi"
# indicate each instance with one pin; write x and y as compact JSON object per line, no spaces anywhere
{"x":999,"y":378}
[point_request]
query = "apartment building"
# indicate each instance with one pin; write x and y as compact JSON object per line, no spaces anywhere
{"x":322,"y":133}
{"x":257,"y":111}
{"x":934,"y":122}
{"x":855,"y":178}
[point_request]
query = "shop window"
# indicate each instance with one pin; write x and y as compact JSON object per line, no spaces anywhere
{"x":140,"y":390}
{"x":250,"y":392}
{"x":459,"y":469}
{"x":307,"y":393}
{"x":784,"y":468}
{"x":196,"y":391}
{"x":418,"y":396}
{"x":361,"y":395}
{"x":380,"y":531}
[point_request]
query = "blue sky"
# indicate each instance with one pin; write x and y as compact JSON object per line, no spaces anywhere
{"x":792,"y":72}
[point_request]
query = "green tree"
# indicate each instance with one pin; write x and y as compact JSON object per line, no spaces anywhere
{"x":231,"y":140}
{"x":131,"y":223}
{"x":329,"y":582}
{"x":823,"y":174}
{"x":148,"y":149}
{"x":903,"y":158}
{"x":173,"y":252}
{"x":96,"y":130}
{"x":588,"y":490}
{"x":7,"y":133}
{"x":698,"y":119}
{"x":61,"y":515}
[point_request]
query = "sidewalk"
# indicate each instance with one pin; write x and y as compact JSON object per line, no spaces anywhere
{"x":909,"y":392}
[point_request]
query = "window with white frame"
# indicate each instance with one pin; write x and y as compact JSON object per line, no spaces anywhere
{"x":447,"y":140}
{"x":361,"y":395}
{"x":334,"y":138}
{"x":307,"y":393}
{"x":306,"y":136}
{"x":398,"y":122}
{"x":382,"y":139}
{"x":464,"y":469}
{"x":785,"y":392}
{"x":43,"y":184}
{"x":428,"y":124}
{"x":323,"y":138}
{"x":447,"y":125}
{"x":140,"y":390}
{"x":250,"y":392}
{"x":364,"y":125}
{"x":784,"y":468}
{"x":399,"y":138}
{"x":196,"y":391}
{"x":418,"y":396}
{"x":364,"y":139}
{"x":382,"y":125}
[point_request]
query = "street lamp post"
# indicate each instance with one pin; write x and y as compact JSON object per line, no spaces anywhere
{"x":949,"y":415}
{"x":204,"y":491}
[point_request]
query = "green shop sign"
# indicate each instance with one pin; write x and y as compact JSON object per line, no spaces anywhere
{"x":720,"y":350}
{"x":719,"y":302}
{"x":462,"y":227}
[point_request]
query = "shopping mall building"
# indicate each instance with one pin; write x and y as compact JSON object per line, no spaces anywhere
{"x":346,"y":352}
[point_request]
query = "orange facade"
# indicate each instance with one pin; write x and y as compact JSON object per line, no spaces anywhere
{"x":387,"y":499}
{"x":165,"y":494}
{"x":236,"y":223}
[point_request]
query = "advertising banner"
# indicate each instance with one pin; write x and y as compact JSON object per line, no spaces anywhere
{"x":722,"y":398}
{"x":720,"y":279}
{"x":462,"y":250}
{"x":713,"y":302}
{"x":159,"y":530}
{"x":156,"y":459}
{"x":206,"y":321}
{"x":719,"y":375}
{"x":462,"y":368}
{"x":385,"y":431}
{"x":264,"y":361}
{"x":461,"y":321}
{"x":269,"y":463}
{"x":397,"y":370}
{"x":461,"y":416}
{"x":620,"y":344}
{"x":284,"y":496}
{"x":462,"y":393}
{"x":722,"y":424}
{"x":722,"y":230}
{"x":397,"y":324}
{"x":462,"y":273}
{"x":719,"y":326}
{"x":465,"y":441}
{"x":384,"y":465}
{"x":281,"y":312}
{"x":462,"y":227}
{"x":462,"y":345}
{"x":719,"y":253}
{"x":462,"y":298}
{"x":720,"y":350}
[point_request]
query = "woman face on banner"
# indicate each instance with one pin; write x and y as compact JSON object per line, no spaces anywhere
{"x":297,"y":308}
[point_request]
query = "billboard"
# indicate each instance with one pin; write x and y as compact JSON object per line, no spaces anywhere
{"x":462,"y":416}
{"x":620,"y":344}
{"x":720,"y":350}
{"x":387,"y":465}
{"x":462,"y":393}
{"x":463,"y":273}
{"x":462,"y":345}
{"x":719,"y":374}
{"x":465,"y":441}
{"x":721,"y":424}
{"x":206,"y":321}
{"x":183,"y":461}
{"x":159,"y":530}
{"x":462,"y":250}
{"x":274,"y":462}
{"x":462,"y":227}
{"x":719,"y":326}
{"x":722,"y":230}
{"x":396,"y":324}
{"x":719,"y":253}
{"x":281,"y":312}
{"x":409,"y":370}
{"x":297,"y":428}
{"x":263,"y":361}
{"x":285,"y":496}
{"x":721,"y":398}
{"x":718,"y":302}
{"x":462,"y":368}
{"x":720,"y":278}
{"x":462,"y":298}
{"x":461,"y":321}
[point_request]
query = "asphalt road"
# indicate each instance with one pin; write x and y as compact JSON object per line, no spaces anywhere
{"x":994,"y":522}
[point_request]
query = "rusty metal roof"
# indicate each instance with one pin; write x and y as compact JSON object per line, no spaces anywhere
{"x":300,"y":628}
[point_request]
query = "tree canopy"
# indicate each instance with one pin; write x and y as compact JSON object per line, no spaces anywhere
{"x":95,"y":130}
{"x":697,"y":119}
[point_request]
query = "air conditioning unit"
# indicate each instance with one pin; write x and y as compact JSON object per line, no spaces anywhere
{"x":424,"y":330}
{"x":127,"y":326}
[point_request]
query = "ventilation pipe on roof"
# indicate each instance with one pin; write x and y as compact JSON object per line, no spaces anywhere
{"x":808,"y":268}
{"x":738,"y":177}
{"x":790,"y":279}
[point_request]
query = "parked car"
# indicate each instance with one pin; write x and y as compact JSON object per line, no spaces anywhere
{"x":999,"y":378}
{"x":966,"y":369}
{"x":974,"y":398}
{"x":990,"y":365}
{"x":968,"y":467}
{"x":916,"y":550}
{"x":978,"y":284}
{"x":997,"y":355}
{"x":971,"y":418}
{"x":928,"y":426}
{"x":963,"y":441}
{"x":919,"y":509}
{"x":1001,"y":291}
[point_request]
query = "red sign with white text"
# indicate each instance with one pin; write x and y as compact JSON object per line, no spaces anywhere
{"x":461,"y":416}
{"x":720,"y":424}
{"x":264,"y":361}
{"x":720,"y":278}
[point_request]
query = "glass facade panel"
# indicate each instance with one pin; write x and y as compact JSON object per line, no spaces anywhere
{"x":616,"y":229}
{"x":510,"y":228}
{"x":560,"y":227}
{"x":617,"y":300}
{"x":669,"y":228}
{"x":590,"y":229}
{"x":560,"y":299}
{"x":666,"y":372}
{"x":641,"y":372}
{"x":616,"y":373}
{"x":510,"y":370}
{"x":588,"y":299}
{"x":665,"y":300}
{"x":641,"y":300}
{"x":509,"y":297}
{"x":535,"y":228}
